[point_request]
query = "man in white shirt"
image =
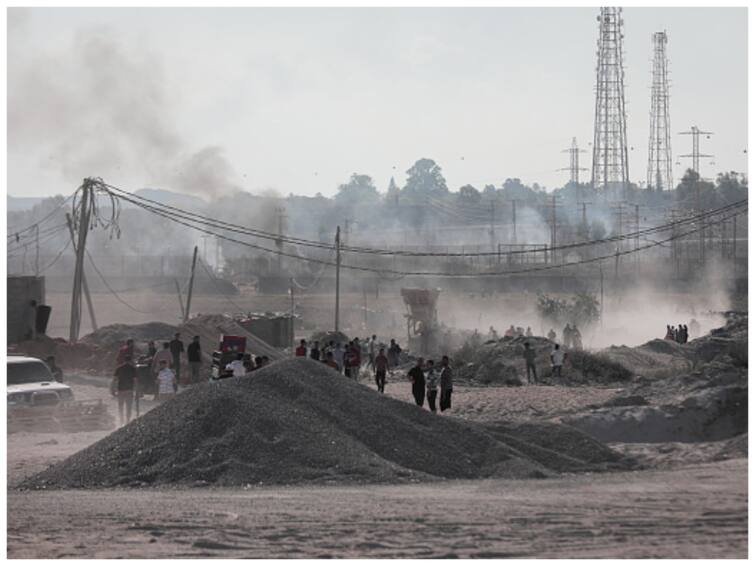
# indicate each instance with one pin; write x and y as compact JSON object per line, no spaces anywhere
{"x":338,"y":356}
{"x":557,"y":360}
{"x":237,"y":366}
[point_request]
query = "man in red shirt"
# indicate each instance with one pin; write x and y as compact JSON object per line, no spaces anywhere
{"x":127,"y":350}
{"x":301,"y":351}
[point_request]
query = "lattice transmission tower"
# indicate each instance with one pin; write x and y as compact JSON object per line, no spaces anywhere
{"x":660,"y":175}
{"x":610,"y":159}
{"x":574,"y":167}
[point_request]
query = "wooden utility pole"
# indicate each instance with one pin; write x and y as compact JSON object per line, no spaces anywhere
{"x":180,"y":299}
{"x":84,"y":284}
{"x":637,"y":235}
{"x":86,"y":194}
{"x":36,"y":257}
{"x":338,"y":272}
{"x":293,"y":306}
{"x":513,"y":218}
{"x":187,"y":312}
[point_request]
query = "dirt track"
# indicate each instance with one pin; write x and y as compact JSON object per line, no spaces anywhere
{"x":698,"y":512}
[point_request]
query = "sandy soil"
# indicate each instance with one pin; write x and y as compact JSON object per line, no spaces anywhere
{"x":689,"y":513}
{"x":682,"y":511}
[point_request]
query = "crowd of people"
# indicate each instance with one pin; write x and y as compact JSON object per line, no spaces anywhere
{"x":679,"y":334}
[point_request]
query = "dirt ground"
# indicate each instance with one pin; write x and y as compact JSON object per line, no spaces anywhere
{"x":687,"y":508}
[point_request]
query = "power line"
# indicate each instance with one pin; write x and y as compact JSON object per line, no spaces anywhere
{"x":199,"y":219}
{"x":15,"y":233}
{"x":113,"y":291}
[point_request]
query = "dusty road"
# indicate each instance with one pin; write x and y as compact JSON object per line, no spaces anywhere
{"x":684,"y":512}
{"x":697,"y":512}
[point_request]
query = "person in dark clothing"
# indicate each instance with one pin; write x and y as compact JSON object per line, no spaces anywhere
{"x":314,"y":351}
{"x":194,"y":355}
{"x":151,"y":349}
{"x":529,"y":359}
{"x":301,"y":350}
{"x":176,"y":349}
{"x":417,"y":377}
{"x":123,"y":386}
{"x":432,"y":385}
{"x":446,"y":384}
{"x":57,"y":373}
{"x":381,"y":368}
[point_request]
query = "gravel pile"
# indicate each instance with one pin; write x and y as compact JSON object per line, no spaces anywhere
{"x":295,"y":421}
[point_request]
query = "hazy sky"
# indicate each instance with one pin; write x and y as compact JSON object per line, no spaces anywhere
{"x":298,"y":99}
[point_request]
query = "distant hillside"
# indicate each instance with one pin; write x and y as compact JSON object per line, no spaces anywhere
{"x":16,"y":204}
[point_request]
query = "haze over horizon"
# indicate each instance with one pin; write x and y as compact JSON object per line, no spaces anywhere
{"x":203,"y":101}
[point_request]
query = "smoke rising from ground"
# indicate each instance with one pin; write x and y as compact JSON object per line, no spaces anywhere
{"x":101,"y":108}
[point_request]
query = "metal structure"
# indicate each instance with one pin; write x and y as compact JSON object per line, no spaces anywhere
{"x":610,"y":159}
{"x":659,"y":175}
{"x":574,"y":167}
{"x":421,"y":318}
{"x":695,"y":132}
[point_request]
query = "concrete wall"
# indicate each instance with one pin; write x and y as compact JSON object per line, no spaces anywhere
{"x":21,"y":290}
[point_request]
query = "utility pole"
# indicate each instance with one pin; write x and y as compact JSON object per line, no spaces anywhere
{"x":84,"y":284}
{"x":187,"y":312}
{"x":293,"y":306}
{"x":36,"y":257}
{"x":574,"y":167}
{"x":695,"y":132}
{"x":180,"y":299}
{"x":553,"y":229}
{"x":637,"y":235}
{"x":338,"y":272}
{"x":279,"y":211}
{"x":492,"y":226}
{"x":87,"y":194}
{"x":513,"y":218}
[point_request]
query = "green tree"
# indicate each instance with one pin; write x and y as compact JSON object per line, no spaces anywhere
{"x":468,"y":194}
{"x":359,"y":189}
{"x":425,"y":178}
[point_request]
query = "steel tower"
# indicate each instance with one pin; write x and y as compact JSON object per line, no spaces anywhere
{"x":610,"y":160}
{"x":660,"y":176}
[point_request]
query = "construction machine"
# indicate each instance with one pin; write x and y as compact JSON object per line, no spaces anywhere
{"x":421,"y":319}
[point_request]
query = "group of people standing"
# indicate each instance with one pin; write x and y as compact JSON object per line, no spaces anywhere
{"x":162,"y":369}
{"x":426,"y":378}
{"x":350,"y":359}
{"x":678,"y":334}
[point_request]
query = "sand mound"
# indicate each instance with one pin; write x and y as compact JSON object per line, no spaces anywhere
{"x":501,"y":362}
{"x":295,"y":421}
{"x":115,"y":335}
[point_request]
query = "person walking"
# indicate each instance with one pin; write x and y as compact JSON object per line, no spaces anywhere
{"x":166,"y":382}
{"x":557,"y":360}
{"x":122,"y":387}
{"x":301,"y":349}
{"x":338,"y":354}
{"x":432,"y":379}
{"x":381,"y":369}
{"x":151,"y":349}
{"x":394,"y":350}
{"x":194,"y":356}
{"x":314,"y":351}
{"x":176,"y":349}
{"x":417,"y":377}
{"x":529,"y":360}
{"x":446,"y":384}
{"x":552,"y":335}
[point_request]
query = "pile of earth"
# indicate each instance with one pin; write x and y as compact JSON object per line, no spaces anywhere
{"x":297,"y":421}
{"x":501,"y":362}
{"x":708,"y":402}
{"x":96,"y":352}
{"x":662,"y":358}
